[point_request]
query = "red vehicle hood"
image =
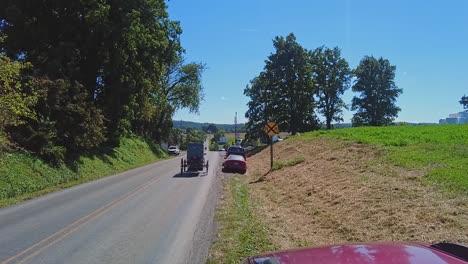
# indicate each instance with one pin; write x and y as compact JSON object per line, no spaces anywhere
{"x":360,"y":254}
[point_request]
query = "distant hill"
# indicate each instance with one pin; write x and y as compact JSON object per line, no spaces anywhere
{"x":195,"y":125}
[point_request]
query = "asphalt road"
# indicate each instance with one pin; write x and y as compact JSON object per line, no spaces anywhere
{"x":150,"y":214}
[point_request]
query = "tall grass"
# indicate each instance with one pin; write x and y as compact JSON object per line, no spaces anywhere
{"x":441,"y":149}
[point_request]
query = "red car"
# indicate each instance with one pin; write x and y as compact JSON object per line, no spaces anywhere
{"x":235,"y":163}
{"x":378,"y":253}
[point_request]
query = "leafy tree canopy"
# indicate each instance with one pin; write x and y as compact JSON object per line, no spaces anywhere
{"x":14,"y":101}
{"x":378,"y":92}
{"x":332,"y":77}
{"x":103,"y":68}
{"x":464,"y":101}
{"x":283,"y":92}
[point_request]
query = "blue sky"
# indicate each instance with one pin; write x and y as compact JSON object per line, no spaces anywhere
{"x":426,"y":40}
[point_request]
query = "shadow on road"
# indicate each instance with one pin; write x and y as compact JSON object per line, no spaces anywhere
{"x":188,"y":174}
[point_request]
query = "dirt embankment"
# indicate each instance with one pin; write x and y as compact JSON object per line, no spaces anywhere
{"x":348,"y":192}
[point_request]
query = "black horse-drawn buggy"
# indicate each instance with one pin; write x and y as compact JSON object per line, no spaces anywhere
{"x":195,"y":160}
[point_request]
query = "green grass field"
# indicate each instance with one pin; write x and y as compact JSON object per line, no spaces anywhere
{"x":441,"y":149}
{"x":23,"y":176}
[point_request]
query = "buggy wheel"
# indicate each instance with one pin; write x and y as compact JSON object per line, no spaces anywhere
{"x":181,"y":166}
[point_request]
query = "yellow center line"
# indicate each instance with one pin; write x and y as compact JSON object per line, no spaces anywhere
{"x":69,"y":229}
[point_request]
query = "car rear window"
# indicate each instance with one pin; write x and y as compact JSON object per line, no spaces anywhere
{"x":236,"y":150}
{"x":236,"y":157}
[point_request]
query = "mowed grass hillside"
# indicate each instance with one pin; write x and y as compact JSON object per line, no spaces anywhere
{"x":442,"y":150}
{"x":24,"y":176}
{"x":398,"y":183}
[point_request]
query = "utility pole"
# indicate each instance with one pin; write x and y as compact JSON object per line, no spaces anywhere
{"x":235,"y":129}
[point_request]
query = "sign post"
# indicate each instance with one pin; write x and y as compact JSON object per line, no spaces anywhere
{"x":271,"y":152}
{"x":271,"y":129}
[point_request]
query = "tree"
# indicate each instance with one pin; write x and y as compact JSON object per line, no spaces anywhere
{"x":143,"y":43}
{"x":182,"y":85}
{"x":284,"y":91}
{"x":180,"y":88}
{"x":378,"y":92}
{"x":464,"y":101}
{"x":65,"y":123}
{"x":332,"y":77}
{"x":175,"y":137}
{"x":15,"y":102}
{"x":260,"y":106}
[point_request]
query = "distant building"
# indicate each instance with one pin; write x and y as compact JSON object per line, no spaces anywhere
{"x":457,"y":118}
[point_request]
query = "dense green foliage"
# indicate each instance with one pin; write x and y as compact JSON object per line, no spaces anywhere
{"x":65,"y":120}
{"x":378,"y":93}
{"x":13,"y":102}
{"x":284,"y":91}
{"x":241,"y":233}
{"x":441,"y":150}
{"x":102,"y":69}
{"x":4,"y":143}
{"x":332,"y":77}
{"x":464,"y":101}
{"x":23,"y":174}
